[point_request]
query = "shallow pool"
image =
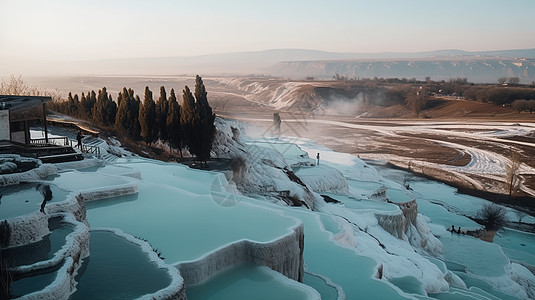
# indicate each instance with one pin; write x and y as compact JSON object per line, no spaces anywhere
{"x":409,"y":284}
{"x":26,"y":198}
{"x":361,"y":204}
{"x":363,"y":189}
{"x":117,"y":269}
{"x":248,"y":281}
{"x":477,"y":289}
{"x":284,"y":148}
{"x":354,"y":273}
{"x":110,"y":170}
{"x":34,"y":282}
{"x":398,"y":196}
{"x":88,"y":181}
{"x":42,"y":250}
{"x":490,"y":260}
{"x":326,"y":291}
{"x":185,"y":223}
{"x":517,"y":245}
{"x":440,"y":215}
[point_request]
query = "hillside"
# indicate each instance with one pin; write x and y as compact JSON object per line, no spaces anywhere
{"x":441,"y":108}
{"x":481,"y":66}
{"x":476,"y":69}
{"x":341,"y":98}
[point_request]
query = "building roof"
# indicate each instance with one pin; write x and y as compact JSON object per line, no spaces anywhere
{"x":14,"y":102}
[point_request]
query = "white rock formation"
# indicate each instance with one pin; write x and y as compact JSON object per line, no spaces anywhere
{"x":324,"y":179}
{"x":41,"y":172}
{"x":284,"y":255}
{"x":76,"y":247}
{"x":260,"y":170}
{"x":28,"y":228}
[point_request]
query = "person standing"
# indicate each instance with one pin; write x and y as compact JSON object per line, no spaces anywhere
{"x":79,"y":139}
{"x":276,"y":124}
{"x":318,"y":159}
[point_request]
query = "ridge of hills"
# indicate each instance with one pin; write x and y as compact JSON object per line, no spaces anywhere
{"x":477,"y":66}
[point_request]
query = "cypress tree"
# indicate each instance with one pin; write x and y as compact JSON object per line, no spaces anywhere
{"x":70,"y":105}
{"x":162,"y":106}
{"x":206,"y":129}
{"x":105,"y":109}
{"x":92,"y":99}
{"x":85,"y":107}
{"x":99,"y":110}
{"x":174,"y":130}
{"x":126,"y":119}
{"x":111,"y":111}
{"x":188,"y":118}
{"x":77,"y":105}
{"x":135,"y":131}
{"x":121,"y":118}
{"x":147,"y":118}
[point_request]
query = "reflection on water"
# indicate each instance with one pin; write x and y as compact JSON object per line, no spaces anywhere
{"x":117,"y":269}
{"x":43,"y":249}
{"x":24,"y":198}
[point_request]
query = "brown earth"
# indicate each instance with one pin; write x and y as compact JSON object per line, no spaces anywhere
{"x":418,"y":146}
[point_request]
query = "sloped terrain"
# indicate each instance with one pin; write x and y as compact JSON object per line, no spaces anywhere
{"x":486,"y":69}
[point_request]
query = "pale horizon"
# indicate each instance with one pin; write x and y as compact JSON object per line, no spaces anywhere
{"x":39,"y":34}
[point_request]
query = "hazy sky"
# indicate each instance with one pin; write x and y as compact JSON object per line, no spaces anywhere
{"x":57,"y":30}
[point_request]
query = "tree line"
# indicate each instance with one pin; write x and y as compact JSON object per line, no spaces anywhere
{"x":188,"y":125}
{"x":508,"y":90}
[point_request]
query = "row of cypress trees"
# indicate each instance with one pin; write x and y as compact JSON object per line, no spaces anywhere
{"x":190,"y":125}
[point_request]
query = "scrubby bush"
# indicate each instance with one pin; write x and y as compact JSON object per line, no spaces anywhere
{"x":6,"y":278}
{"x":5,"y":233}
{"x":492,"y":216}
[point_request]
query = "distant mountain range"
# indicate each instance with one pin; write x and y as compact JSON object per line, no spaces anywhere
{"x":480,"y":66}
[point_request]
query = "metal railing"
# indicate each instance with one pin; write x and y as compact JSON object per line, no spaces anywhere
{"x":87,"y":149}
{"x":64,"y":141}
{"x":60,"y":141}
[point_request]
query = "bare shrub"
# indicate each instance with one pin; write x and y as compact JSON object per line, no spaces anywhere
{"x":5,"y":233}
{"x":16,"y":86}
{"x":512,"y":176}
{"x":492,"y":216}
{"x":6,"y":278}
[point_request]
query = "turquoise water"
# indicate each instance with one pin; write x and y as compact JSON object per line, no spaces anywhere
{"x":448,"y":197}
{"x":517,"y":245}
{"x":362,"y":188}
{"x":326,"y":291}
{"x":184,"y":223}
{"x":109,"y":169}
{"x":161,"y":209}
{"x":468,"y":257}
{"x":284,"y":148}
{"x":398,"y":196}
{"x":34,"y":282}
{"x":25,"y":198}
{"x":482,"y":285}
{"x":173,"y":174}
{"x":437,"y":262}
{"x":85,"y":181}
{"x":175,"y":210}
{"x":247,"y":281}
{"x":354,"y":273}
{"x":440,"y":215}
{"x":329,"y":223}
{"x":359,"y":204}
{"x":409,"y":284}
{"x":477,"y":289}
{"x":117,"y":269}
{"x":42,"y":250}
